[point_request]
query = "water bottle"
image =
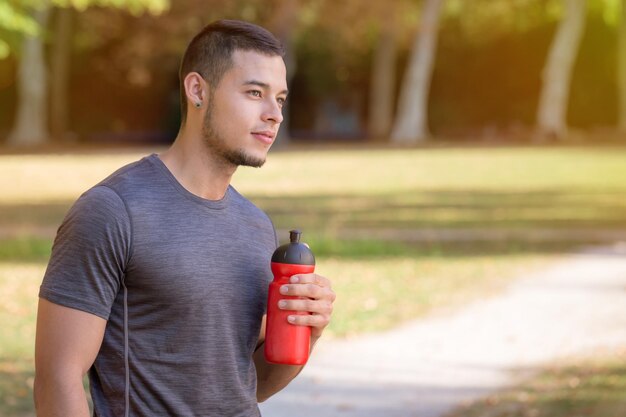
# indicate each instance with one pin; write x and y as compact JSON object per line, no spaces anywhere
{"x":286,"y":343}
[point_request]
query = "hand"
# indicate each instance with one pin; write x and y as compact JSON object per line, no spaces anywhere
{"x":318,"y":298}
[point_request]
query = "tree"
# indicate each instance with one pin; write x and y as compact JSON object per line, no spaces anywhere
{"x":60,"y":71}
{"x":284,"y":24}
{"x":411,"y":121}
{"x":358,"y":33}
{"x":383,"y":77}
{"x":557,"y":73}
{"x":31,"y":121}
{"x":31,"y":118}
{"x":621,"y":69}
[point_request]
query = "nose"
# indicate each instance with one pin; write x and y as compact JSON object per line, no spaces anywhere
{"x":272,"y":112}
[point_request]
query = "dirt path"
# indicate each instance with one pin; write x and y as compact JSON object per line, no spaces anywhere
{"x":427,"y":367}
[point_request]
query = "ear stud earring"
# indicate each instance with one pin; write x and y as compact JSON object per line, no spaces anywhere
{"x":198,"y":104}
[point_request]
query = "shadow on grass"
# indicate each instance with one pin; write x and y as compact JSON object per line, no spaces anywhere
{"x":36,"y":249}
{"x":359,"y":249}
{"x":17,"y":377}
{"x":27,"y":230}
{"x":16,"y":388}
{"x":33,"y":216}
{"x":582,"y":208}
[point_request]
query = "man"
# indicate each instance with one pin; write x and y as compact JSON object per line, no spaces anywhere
{"x":158,"y":276}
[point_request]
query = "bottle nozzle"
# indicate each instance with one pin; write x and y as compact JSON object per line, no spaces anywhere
{"x":294,"y":252}
{"x":294,"y":236}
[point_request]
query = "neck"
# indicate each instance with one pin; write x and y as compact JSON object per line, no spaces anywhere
{"x":196,"y":168}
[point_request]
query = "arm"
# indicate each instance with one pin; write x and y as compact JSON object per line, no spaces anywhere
{"x":318,"y":301}
{"x":66,"y":345}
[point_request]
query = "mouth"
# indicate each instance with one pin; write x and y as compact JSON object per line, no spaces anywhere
{"x":265,"y":136}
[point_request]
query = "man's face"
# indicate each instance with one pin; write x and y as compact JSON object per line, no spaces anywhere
{"x":244,"y":111}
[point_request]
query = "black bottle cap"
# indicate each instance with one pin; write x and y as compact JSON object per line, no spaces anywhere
{"x":294,"y":252}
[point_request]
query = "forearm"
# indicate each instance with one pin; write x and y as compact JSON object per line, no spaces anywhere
{"x":272,"y":378}
{"x":60,"y":397}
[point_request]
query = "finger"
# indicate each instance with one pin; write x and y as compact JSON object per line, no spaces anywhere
{"x":310,"y":279}
{"x":304,"y":290}
{"x":312,"y":320}
{"x":307,"y":305}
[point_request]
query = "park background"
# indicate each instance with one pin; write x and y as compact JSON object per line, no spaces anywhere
{"x":442,"y":148}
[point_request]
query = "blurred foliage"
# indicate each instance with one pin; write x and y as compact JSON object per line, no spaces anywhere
{"x":486,"y":79}
{"x":15,"y":15}
{"x":14,"y":20}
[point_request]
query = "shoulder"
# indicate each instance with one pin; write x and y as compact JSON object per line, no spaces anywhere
{"x":102,"y":209}
{"x":98,"y":218}
{"x":247,"y":206}
{"x":124,"y":187}
{"x":105,"y":204}
{"x":133,"y":175}
{"x":98,"y":202}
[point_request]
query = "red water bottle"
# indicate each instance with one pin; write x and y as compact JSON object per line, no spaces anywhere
{"x":286,"y":343}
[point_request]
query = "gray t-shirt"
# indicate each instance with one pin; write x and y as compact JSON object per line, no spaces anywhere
{"x":182,"y":282}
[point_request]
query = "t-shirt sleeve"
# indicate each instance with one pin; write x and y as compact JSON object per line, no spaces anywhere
{"x":89,"y":254}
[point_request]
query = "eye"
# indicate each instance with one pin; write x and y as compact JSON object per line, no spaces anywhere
{"x":255,"y":93}
{"x":281,"y":101}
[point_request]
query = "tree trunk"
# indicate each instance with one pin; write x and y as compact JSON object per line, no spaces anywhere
{"x":31,"y":118}
{"x":621,"y":70}
{"x":557,"y":73}
{"x":383,"y":80}
{"x":59,"y":72}
{"x":411,"y":124}
{"x":282,"y":26}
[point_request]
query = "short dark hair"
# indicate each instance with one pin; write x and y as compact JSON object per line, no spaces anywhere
{"x":210,"y":52}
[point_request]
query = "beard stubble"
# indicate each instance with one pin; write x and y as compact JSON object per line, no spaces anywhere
{"x":218,"y":145}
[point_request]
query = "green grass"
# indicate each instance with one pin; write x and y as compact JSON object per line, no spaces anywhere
{"x":539,"y":188}
{"x":330,"y":193}
{"x":385,"y":172}
{"x":19,"y":284}
{"x":453,"y":209}
{"x":561,"y":187}
{"x":589,"y":388}
{"x":16,"y":387}
{"x":25,"y":248}
{"x":375,"y":294}
{"x":379,"y":283}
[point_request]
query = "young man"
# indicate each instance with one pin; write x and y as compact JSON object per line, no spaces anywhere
{"x":158,"y":276}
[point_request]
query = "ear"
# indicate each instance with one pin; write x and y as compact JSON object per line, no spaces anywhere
{"x":195,"y":90}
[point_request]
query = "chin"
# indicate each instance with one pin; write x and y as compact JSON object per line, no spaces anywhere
{"x":239,"y":157}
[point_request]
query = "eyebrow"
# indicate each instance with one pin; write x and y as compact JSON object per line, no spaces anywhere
{"x":263,"y":85}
